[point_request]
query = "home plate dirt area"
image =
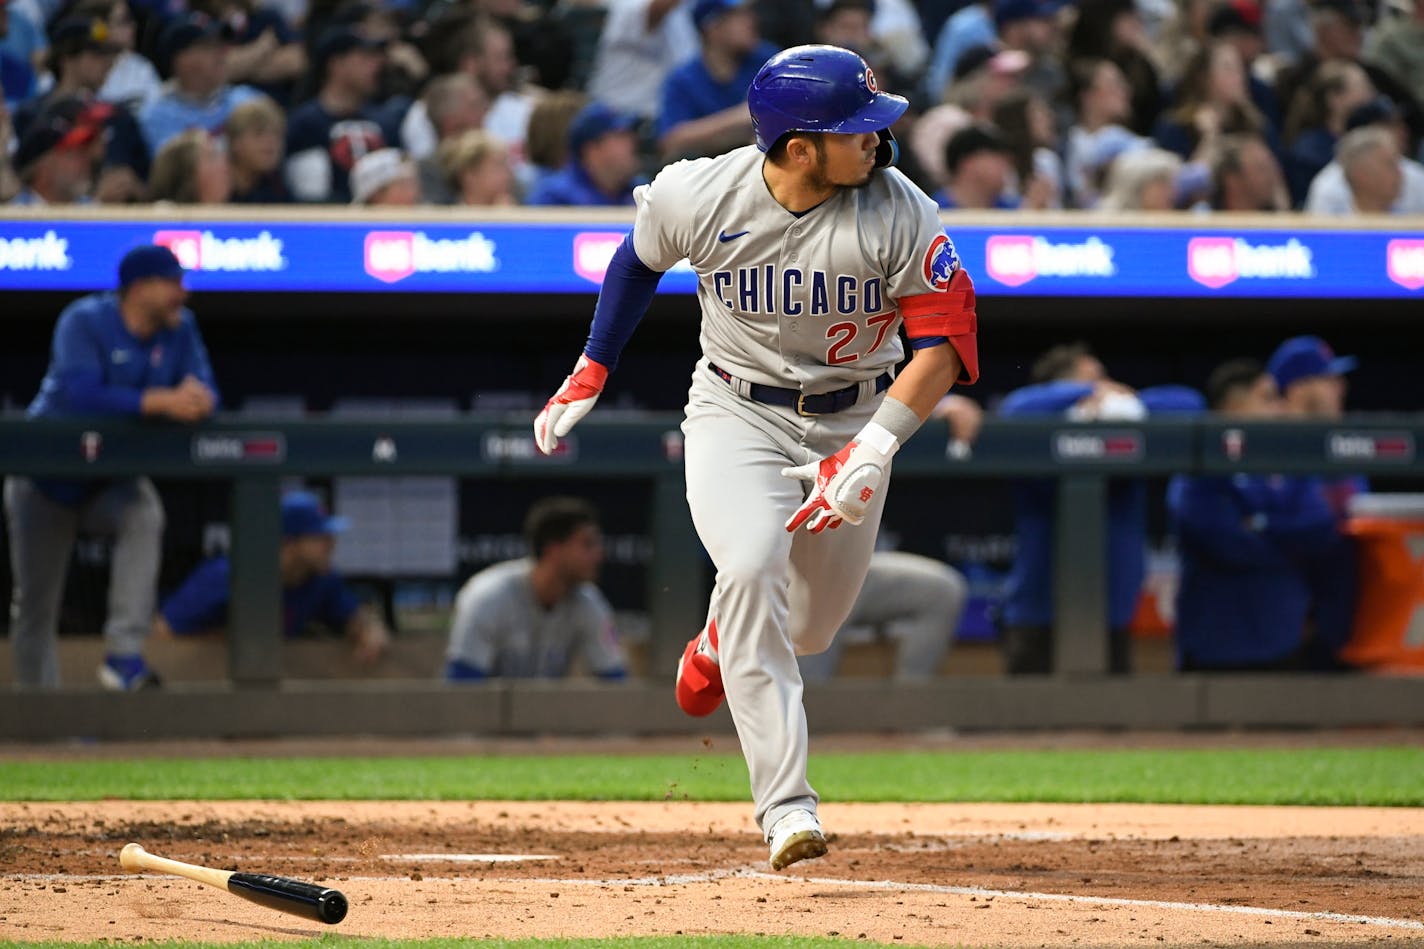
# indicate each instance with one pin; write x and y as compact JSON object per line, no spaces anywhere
{"x":920,"y":874}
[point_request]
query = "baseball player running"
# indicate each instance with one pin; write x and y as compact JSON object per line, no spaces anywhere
{"x":811,"y":252}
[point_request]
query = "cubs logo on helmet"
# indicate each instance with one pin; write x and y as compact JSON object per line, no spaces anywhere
{"x":941,"y":261}
{"x":821,"y":89}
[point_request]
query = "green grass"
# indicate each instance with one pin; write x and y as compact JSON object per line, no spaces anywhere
{"x":1344,"y":776}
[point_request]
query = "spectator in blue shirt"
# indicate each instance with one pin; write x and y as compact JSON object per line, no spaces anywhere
{"x":17,"y":78}
{"x":199,"y":94}
{"x":704,"y":101}
{"x":602,"y":165}
{"x":265,"y":52}
{"x":25,"y":38}
{"x":136,"y":352}
{"x":1246,"y":543}
{"x":970,"y":26}
{"x":1070,"y":382}
{"x":18,"y":37}
{"x":313,"y":594}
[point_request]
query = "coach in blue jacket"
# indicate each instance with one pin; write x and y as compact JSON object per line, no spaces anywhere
{"x":1246,"y":541}
{"x":134,"y":352}
{"x":1069,"y":381}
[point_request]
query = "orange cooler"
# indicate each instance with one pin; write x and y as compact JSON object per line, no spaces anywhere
{"x":1388,"y":634}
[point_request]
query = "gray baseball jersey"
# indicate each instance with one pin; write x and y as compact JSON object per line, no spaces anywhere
{"x":502,"y":628}
{"x":804,"y":302}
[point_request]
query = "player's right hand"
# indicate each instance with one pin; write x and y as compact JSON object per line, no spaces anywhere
{"x":572,"y":402}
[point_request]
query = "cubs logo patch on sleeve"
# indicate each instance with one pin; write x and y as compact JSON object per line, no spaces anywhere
{"x":941,"y":261}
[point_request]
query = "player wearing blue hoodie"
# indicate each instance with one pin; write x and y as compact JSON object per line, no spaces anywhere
{"x":1247,"y":542}
{"x":1069,"y":381}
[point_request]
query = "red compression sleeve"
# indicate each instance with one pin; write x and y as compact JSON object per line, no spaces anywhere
{"x":950,"y":314}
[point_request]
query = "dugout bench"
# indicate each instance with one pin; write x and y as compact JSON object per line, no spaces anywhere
{"x":254,"y":456}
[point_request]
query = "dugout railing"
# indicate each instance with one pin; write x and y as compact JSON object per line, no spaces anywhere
{"x":254,"y":457}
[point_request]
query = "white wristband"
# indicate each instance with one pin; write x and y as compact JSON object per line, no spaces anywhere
{"x":878,"y":438}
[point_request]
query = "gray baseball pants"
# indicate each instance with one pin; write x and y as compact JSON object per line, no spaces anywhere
{"x":42,"y":534}
{"x":916,"y":601}
{"x":777,"y":594}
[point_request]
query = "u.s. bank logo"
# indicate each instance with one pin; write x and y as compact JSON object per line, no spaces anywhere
{"x":1405,"y":263}
{"x":941,"y":261}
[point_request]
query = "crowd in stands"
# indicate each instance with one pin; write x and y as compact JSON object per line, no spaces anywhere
{"x":1117,"y":105}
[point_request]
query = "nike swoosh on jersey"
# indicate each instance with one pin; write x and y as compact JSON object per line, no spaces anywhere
{"x":724,"y":236}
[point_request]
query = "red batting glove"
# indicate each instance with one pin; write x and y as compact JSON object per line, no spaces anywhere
{"x":843,"y":485}
{"x":572,"y":402}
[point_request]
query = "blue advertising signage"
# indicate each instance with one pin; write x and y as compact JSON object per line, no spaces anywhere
{"x":1196,"y":260}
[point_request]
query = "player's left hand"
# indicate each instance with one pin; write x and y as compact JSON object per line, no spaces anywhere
{"x":572,"y":402}
{"x":843,"y":486}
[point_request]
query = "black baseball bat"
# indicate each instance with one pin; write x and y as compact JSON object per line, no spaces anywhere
{"x":320,"y":903}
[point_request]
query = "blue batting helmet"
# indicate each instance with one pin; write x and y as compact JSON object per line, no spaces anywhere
{"x":822,"y":89}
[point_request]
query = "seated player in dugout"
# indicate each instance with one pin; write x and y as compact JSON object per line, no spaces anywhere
{"x":1248,"y":543}
{"x":1312,"y":383}
{"x":313,"y":594}
{"x":532,"y":617}
{"x":1069,"y":382}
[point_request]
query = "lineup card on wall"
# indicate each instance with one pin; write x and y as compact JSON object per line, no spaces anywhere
{"x":1194,"y":260}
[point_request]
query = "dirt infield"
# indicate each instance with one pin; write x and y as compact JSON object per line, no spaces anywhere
{"x":1014,"y":875}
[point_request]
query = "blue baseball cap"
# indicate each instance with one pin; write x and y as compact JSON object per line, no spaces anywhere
{"x":1302,"y":357}
{"x":303,"y":515}
{"x":343,"y":39}
{"x":188,"y":31}
{"x":704,"y":11}
{"x":594,"y":121}
{"x":1007,"y":11}
{"x":150,"y":260}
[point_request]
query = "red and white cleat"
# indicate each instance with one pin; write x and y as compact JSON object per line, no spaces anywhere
{"x":699,"y":676}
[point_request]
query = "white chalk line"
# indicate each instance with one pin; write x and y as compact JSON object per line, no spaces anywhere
{"x":745,"y":873}
{"x":428,"y":857}
{"x":470,"y":857}
{"x":893,"y":885}
{"x":1099,"y":900}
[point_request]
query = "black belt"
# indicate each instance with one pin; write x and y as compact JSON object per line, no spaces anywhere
{"x":823,"y":403}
